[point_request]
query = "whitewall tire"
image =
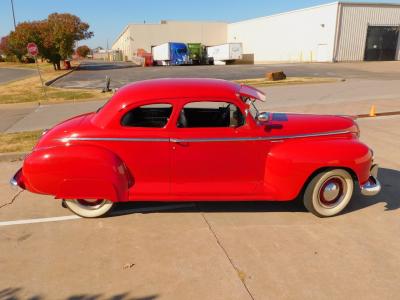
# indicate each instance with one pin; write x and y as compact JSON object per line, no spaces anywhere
{"x":89,"y":208}
{"x":329,"y":192}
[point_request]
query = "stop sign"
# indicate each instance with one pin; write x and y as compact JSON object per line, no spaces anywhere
{"x":32,"y":49}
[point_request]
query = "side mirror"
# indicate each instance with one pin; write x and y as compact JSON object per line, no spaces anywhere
{"x":263,"y":117}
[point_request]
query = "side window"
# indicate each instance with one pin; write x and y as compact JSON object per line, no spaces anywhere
{"x":210,"y":114}
{"x":152,"y":115}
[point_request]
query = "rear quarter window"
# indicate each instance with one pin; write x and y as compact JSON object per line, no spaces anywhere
{"x":151,"y":115}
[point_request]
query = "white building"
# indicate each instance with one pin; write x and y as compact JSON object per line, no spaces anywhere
{"x":333,"y":32}
{"x":339,"y":31}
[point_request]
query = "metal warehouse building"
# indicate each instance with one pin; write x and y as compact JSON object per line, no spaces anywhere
{"x":339,"y":31}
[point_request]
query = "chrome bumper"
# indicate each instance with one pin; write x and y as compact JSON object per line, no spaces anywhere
{"x":14,"y":180}
{"x":372,"y":186}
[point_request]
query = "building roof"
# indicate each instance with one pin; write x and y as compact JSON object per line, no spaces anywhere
{"x":323,"y":5}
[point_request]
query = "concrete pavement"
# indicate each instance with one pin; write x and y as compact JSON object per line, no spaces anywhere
{"x":212,"y":250}
{"x":45,"y":116}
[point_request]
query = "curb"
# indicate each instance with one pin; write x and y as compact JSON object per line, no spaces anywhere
{"x":51,"y":81}
{"x":12,"y":156}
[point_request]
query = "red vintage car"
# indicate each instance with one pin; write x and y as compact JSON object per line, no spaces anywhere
{"x":198,"y":140}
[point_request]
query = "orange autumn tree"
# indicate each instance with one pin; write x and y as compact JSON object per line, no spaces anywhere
{"x":54,"y":36}
{"x":83,"y":50}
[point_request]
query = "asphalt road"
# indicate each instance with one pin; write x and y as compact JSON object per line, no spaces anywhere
{"x":8,"y":74}
{"x":207,"y":250}
{"x":92,"y":74}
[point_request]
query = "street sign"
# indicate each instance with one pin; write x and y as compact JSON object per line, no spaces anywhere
{"x":32,"y":49}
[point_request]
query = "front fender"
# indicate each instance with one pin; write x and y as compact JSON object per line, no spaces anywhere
{"x":290,"y":163}
{"x":77,"y":171}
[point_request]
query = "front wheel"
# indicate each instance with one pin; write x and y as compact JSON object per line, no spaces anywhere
{"x":89,"y":208}
{"x":329,"y":192}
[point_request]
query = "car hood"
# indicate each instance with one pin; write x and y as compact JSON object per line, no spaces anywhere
{"x":299,"y":124}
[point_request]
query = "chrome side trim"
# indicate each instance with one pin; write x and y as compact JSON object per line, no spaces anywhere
{"x":116,"y":139}
{"x":202,"y":140}
{"x":258,"y":138}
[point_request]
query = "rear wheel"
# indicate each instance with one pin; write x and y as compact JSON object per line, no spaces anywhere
{"x":329,"y":192}
{"x":89,"y":208}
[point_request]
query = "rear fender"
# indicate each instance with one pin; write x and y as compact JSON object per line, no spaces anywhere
{"x":290,"y":164}
{"x":77,"y":171}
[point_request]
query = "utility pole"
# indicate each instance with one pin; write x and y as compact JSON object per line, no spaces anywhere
{"x":108,"y":54}
{"x":12,"y":7}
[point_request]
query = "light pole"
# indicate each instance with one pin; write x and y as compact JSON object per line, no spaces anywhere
{"x":12,"y":7}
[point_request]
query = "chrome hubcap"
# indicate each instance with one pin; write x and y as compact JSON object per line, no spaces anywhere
{"x":332,"y":192}
{"x":91,"y":204}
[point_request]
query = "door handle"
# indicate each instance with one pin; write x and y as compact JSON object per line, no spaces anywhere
{"x":179,"y":141}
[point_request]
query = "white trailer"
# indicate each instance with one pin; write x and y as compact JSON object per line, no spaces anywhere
{"x":161,"y":53}
{"x":225,"y":52}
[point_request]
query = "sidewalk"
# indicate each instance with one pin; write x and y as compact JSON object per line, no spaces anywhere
{"x":29,"y":117}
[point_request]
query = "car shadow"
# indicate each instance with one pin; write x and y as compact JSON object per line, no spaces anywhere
{"x":390,"y":195}
{"x":18,"y":293}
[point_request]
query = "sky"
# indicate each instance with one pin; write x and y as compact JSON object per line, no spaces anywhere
{"x":108,"y":18}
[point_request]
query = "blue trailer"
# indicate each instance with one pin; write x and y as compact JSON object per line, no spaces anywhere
{"x":170,"y":54}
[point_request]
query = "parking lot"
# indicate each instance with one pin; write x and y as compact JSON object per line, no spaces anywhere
{"x":92,"y":74}
{"x":232,"y":250}
{"x":207,"y":250}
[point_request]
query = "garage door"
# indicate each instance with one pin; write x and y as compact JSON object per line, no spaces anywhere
{"x":381,"y":43}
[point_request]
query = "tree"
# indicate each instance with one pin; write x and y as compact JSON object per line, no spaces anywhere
{"x":27,"y":32}
{"x":4,"y":46}
{"x":66,"y":30}
{"x":54,"y":36}
{"x":83,"y":50}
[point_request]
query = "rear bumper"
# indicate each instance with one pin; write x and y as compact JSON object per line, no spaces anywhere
{"x":372,"y":186}
{"x":16,"y":181}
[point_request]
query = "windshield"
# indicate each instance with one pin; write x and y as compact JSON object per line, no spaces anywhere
{"x":252,"y":108}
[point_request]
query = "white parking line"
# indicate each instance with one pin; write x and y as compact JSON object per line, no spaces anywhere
{"x":116,"y":213}
{"x":40,"y":220}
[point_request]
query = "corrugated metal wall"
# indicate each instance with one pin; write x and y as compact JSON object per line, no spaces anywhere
{"x":353,"y":25}
{"x":295,"y":36}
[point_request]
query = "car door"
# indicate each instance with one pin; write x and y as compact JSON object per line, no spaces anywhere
{"x":215,"y":152}
{"x":143,"y":144}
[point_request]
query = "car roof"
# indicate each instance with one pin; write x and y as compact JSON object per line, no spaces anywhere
{"x":172,"y":89}
{"x":167,"y":88}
